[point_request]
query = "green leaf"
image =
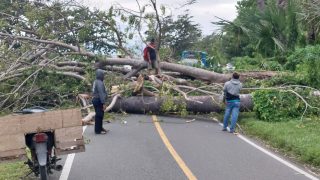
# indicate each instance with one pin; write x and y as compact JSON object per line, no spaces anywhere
{"x":279,"y":44}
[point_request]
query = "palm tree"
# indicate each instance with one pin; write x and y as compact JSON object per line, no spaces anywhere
{"x":311,"y":16}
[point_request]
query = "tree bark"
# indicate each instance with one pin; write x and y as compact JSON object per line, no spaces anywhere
{"x":72,"y":63}
{"x":139,"y":104}
{"x":193,"y":72}
{"x":261,"y":5}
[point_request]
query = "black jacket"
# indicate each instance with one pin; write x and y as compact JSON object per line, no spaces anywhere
{"x":98,"y":88}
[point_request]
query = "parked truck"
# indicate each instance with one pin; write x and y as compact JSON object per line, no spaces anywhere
{"x":194,"y":58}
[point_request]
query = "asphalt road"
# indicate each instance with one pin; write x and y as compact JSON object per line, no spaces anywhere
{"x":136,"y":151}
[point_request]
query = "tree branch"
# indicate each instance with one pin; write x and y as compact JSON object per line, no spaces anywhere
{"x":57,"y":43}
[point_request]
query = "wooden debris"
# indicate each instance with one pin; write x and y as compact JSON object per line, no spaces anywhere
{"x":66,"y":125}
{"x":12,"y":154}
{"x":12,"y":141}
{"x":189,"y":121}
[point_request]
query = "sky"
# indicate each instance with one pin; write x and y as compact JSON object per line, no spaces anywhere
{"x":203,"y":11}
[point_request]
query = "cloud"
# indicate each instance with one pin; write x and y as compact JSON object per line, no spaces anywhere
{"x":204,"y":11}
{"x":204,"y":15}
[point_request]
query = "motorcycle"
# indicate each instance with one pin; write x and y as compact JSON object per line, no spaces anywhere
{"x":41,"y":146}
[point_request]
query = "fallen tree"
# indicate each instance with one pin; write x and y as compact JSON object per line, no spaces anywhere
{"x":65,"y":48}
{"x":158,"y":105}
{"x":54,"y":58}
{"x":196,"y":73}
{"x":196,"y":104}
{"x":40,"y":62}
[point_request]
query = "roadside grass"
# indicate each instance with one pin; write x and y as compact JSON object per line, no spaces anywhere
{"x":301,"y":140}
{"x":13,"y":170}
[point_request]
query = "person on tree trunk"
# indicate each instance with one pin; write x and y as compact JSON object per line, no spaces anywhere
{"x":99,"y":98}
{"x":150,"y":56}
{"x":231,"y":91}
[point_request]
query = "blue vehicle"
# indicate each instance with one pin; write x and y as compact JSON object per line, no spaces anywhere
{"x":193,"y":58}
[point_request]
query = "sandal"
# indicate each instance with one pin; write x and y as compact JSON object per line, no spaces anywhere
{"x":104,"y":131}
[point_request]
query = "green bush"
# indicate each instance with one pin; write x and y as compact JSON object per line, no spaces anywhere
{"x":174,"y":105}
{"x":275,"y":105}
{"x":259,"y":63}
{"x":246,"y":63}
{"x":281,"y":79}
{"x":306,"y":61}
{"x":300,"y":56}
{"x":214,"y":65}
{"x":288,"y":78}
{"x":313,"y":73}
{"x":271,"y":66}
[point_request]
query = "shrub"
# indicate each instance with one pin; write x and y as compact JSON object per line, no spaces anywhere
{"x":306,"y":61}
{"x":288,"y":78}
{"x":174,"y":105}
{"x":246,"y":63}
{"x":274,"y":105}
{"x":313,"y":73}
{"x":271,"y":66}
{"x":300,"y":56}
{"x":259,"y":63}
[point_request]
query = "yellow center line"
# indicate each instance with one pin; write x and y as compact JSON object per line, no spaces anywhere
{"x":172,"y":151}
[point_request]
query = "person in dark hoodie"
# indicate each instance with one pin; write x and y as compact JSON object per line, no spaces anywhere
{"x":99,"y":94}
{"x":231,"y":91}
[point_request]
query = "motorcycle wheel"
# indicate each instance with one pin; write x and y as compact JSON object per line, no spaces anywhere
{"x":43,"y":173}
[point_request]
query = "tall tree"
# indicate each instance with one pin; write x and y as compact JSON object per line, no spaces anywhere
{"x":271,"y":32}
{"x":181,"y":34}
{"x":311,"y":17}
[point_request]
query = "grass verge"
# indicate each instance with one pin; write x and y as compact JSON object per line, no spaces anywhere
{"x":13,"y":170}
{"x":291,"y":137}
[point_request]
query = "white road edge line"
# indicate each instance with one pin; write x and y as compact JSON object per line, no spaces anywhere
{"x":276,"y":157}
{"x":68,"y":164}
{"x":67,"y":167}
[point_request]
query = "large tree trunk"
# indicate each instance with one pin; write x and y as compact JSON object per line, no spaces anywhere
{"x":139,"y":104}
{"x":193,"y":72}
{"x":261,"y":5}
